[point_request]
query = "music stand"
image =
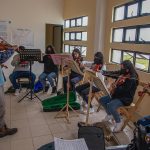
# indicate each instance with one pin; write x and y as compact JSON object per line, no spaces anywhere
{"x":99,"y":83}
{"x":30,"y":55}
{"x":74,"y":67}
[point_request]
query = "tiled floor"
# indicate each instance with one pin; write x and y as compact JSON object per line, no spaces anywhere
{"x":36,"y":127}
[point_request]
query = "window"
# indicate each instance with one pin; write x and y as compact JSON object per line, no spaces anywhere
{"x":144,"y":35}
{"x":84,"y":21}
{"x":72,"y":36}
{"x":83,"y":50}
{"x":128,"y":56}
{"x":79,"y":22}
{"x":116,"y":56}
{"x":73,"y":23}
{"x":142,"y":62}
{"x":66,"y":48}
{"x":132,"y":10}
{"x":71,"y":48}
{"x":66,"y":36}
{"x":118,"y":35}
{"x":67,"y":23}
{"x":84,"y":36}
{"x":119,"y":13}
{"x":145,"y":10}
{"x":130,"y":35}
{"x":78,"y":36}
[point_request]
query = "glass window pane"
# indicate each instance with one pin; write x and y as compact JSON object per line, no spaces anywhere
{"x":73,"y":23}
{"x":132,"y":10}
{"x":130,"y":35}
{"x":119,"y":13}
{"x":145,"y":7}
{"x":71,"y":49}
{"x":72,"y":36}
{"x":78,"y":36}
{"x":66,"y":49}
{"x":78,"y":47}
{"x":67,"y":23}
{"x":84,"y":36}
{"x":116,"y":56}
{"x":144,"y":35}
{"x":84,"y":50}
{"x":128,"y":56}
{"x":118,"y":35}
{"x":142,"y":61}
{"x":84,"y":21}
{"x":66,"y":36}
{"x":79,"y":22}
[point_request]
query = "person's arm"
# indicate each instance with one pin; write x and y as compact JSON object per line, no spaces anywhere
{"x":5,"y":55}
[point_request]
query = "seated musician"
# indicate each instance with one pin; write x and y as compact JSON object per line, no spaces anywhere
{"x":122,"y":92}
{"x":50,"y":70}
{"x":74,"y":77}
{"x":21,"y":70}
{"x":83,"y":90}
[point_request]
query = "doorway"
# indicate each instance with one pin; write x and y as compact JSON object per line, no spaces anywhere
{"x":54,"y":36}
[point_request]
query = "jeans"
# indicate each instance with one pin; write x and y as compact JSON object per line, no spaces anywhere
{"x":21,"y":74}
{"x":84,"y":89}
{"x":111,"y":106}
{"x":73,"y":82}
{"x":50,"y":77}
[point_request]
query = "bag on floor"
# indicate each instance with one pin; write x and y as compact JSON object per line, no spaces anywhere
{"x":38,"y":87}
{"x":94,"y":137}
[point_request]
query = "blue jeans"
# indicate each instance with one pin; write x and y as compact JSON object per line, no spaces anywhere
{"x":73,"y":82}
{"x":49,"y":77}
{"x":111,"y":106}
{"x":21,"y":74}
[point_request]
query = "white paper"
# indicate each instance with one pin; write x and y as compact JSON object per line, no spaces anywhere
{"x":77,"y":144}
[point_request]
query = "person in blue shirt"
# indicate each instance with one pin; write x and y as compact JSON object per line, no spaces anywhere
{"x":4,"y":130}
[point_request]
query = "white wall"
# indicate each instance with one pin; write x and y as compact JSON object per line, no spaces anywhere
{"x":33,"y":15}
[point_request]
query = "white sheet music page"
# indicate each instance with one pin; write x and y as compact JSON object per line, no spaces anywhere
{"x":76,"y":144}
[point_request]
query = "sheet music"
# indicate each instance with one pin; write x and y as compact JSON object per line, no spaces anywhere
{"x":77,"y":144}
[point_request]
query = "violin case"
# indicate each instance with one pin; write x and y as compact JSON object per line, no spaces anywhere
{"x":58,"y":102}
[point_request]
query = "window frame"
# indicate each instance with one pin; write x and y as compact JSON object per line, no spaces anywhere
{"x":144,"y":14}
{"x":115,"y":13}
{"x":114,"y":33}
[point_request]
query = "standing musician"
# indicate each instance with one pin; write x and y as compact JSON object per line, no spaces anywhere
{"x":83,"y":90}
{"x":50,"y":69}
{"x":122,"y":92}
{"x":21,"y":70}
{"x":74,"y":77}
{"x":5,"y":54}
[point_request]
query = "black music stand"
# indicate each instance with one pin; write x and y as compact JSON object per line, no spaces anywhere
{"x":30,"y":55}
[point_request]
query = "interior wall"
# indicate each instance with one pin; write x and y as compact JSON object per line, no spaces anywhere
{"x":33,"y":15}
{"x":77,"y":8}
{"x":145,"y":77}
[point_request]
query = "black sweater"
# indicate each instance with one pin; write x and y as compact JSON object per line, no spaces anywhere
{"x":126,"y":91}
{"x":49,"y":66}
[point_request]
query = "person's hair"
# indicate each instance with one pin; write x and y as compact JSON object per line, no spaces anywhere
{"x":127,"y":64}
{"x":52,"y":49}
{"x":21,"y":47}
{"x":98,"y":58}
{"x":77,"y":51}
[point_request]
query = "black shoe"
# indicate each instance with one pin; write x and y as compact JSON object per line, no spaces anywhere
{"x":54,"y":89}
{"x":7,"y":131}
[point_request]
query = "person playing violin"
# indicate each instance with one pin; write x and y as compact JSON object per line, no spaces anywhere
{"x":74,"y":77}
{"x":122,"y":93}
{"x":4,"y":130}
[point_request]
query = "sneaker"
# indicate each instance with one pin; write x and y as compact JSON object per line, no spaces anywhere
{"x":17,"y":92}
{"x":107,"y":118}
{"x":91,"y":110}
{"x":118,"y":126}
{"x":7,"y":131}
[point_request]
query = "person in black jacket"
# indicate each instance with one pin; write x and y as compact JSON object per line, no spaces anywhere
{"x":122,"y":93}
{"x":50,"y":69}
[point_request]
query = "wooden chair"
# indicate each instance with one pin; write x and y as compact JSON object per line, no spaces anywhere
{"x":129,"y":111}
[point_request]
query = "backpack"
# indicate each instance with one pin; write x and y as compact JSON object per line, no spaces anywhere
{"x":38,"y":87}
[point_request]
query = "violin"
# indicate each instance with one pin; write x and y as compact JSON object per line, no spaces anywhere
{"x":120,"y":81}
